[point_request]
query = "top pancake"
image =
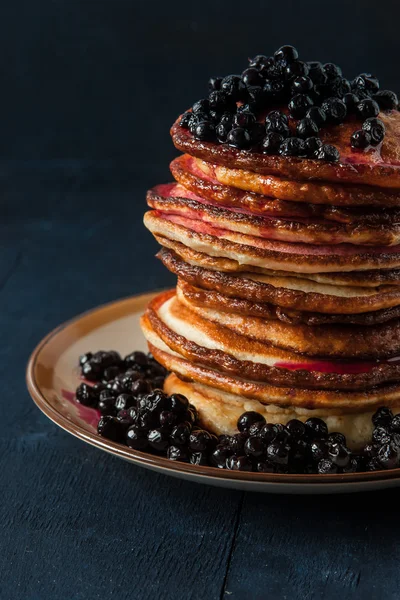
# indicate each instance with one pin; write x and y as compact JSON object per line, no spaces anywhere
{"x":378,"y":167}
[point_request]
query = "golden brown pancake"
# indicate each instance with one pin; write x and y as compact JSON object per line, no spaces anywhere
{"x":213,"y":299}
{"x":219,"y":412}
{"x":173,"y":199}
{"x":284,"y":292}
{"x":310,"y":192}
{"x":357,"y":401}
{"x":365,"y":279}
{"x":340,"y":341}
{"x":271,"y":254}
{"x":208,"y":344}
{"x":200,"y":181}
{"x":379,"y":167}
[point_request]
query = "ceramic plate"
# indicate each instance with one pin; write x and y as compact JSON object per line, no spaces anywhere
{"x":53,"y":376}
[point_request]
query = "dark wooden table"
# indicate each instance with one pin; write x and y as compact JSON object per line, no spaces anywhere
{"x":79,"y":524}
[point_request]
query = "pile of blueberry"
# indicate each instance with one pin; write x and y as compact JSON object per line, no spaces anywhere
{"x":135,"y":412}
{"x":316,"y":95}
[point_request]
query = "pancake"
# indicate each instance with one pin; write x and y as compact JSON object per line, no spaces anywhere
{"x":271,"y":254}
{"x":379,"y":167}
{"x":173,"y":199}
{"x":353,"y":402}
{"x":291,"y":293}
{"x":355,"y":278}
{"x":201,"y":182}
{"x":310,"y":192}
{"x":219,"y":412}
{"x":211,"y":299}
{"x":340,"y":341}
{"x":206,"y":343}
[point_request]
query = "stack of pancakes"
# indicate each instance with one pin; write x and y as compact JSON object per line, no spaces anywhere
{"x":288,"y":294}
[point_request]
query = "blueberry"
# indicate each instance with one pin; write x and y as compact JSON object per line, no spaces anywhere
{"x":106,"y":406}
{"x":220,"y":101}
{"x":360,"y":139}
{"x":317,"y":72}
{"x":268,"y":433}
{"x":254,"y":447}
{"x":328,"y":153}
{"x":367,"y":108}
{"x":395,"y":424}
{"x":276,"y":115}
{"x":298,"y":452}
{"x":296,"y":428}
{"x":247,"y":419}
{"x":336,"y":438}
{"x":238,"y":137}
{"x":370,"y":450}
{"x":140,"y":386}
{"x":302,"y":84}
{"x":251,"y":76}
{"x":274,"y":90}
{"x":386,"y":100}
{"x":222,"y":132}
{"x":219,"y":456}
{"x":136,"y":359}
{"x":84,"y":358}
{"x":86,"y":396}
{"x":373,"y":464}
{"x":264,"y":466}
{"x":238,"y":463}
{"x":204,"y":131}
{"x":380,"y":435}
{"x":278,"y":453}
{"x":158,"y":439}
{"x":214,"y":83}
{"x":351,"y":101}
{"x":177,"y":453}
{"x":382,"y":417}
{"x":257,"y":133}
{"x":286,"y":54}
{"x":318,"y":450}
{"x":335,"y":110}
{"x":127,"y":417}
{"x":339,"y":454}
{"x":110,"y":428}
{"x":180,"y":434}
{"x":199,"y":458}
{"x":244,"y":119}
{"x":311,"y":146}
{"x":234,"y":89}
{"x":92,"y":371}
{"x":292,"y":147}
{"x":235,"y":443}
{"x":278,"y":127}
{"x":271,"y":143}
{"x":199,"y":440}
{"x":124,"y":401}
{"x":255,"y":429}
{"x":354,"y":465}
{"x":366,"y":81}
{"x":342,"y":87}
{"x":178,"y":403}
{"x":317,"y":115}
{"x":376,"y":129}
{"x":136,"y":438}
{"x":167,"y":419}
{"x":202,"y":106}
{"x":332,"y":71}
{"x":306,"y":128}
{"x":297,"y":68}
{"x":259,"y":61}
{"x":256,"y":95}
{"x":282,"y":432}
{"x":299,"y":105}
{"x":145,"y":420}
{"x":388,"y":456}
{"x":326,"y":467}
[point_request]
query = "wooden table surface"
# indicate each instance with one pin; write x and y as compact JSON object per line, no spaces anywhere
{"x":79,"y":524}
{"x":89,"y":89}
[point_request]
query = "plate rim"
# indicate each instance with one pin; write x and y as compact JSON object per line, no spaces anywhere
{"x":162,"y":463}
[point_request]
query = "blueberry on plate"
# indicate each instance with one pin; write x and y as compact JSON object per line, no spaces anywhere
{"x":247,"y":419}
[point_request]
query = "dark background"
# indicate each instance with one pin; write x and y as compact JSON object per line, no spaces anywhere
{"x":88,"y":91}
